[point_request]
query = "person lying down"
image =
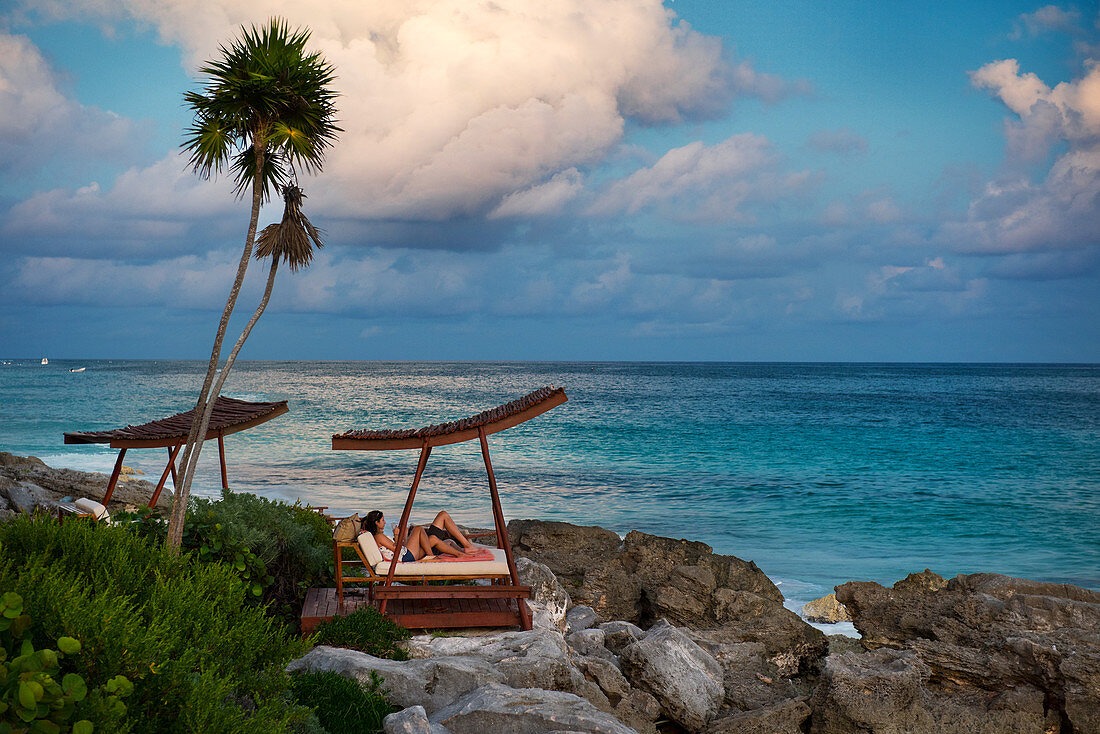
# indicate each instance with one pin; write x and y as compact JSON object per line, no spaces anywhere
{"x":441,"y":538}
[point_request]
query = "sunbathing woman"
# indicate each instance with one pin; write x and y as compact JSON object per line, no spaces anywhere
{"x":421,"y":544}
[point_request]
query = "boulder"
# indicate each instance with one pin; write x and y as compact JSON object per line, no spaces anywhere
{"x":826,"y":609}
{"x":53,"y":484}
{"x":531,"y":659}
{"x":499,"y":708}
{"x":24,"y":496}
{"x":878,"y":692}
{"x":413,"y":720}
{"x":993,"y":633}
{"x":580,"y":618}
{"x":11,"y":461}
{"x":569,"y":550}
{"x":750,"y":679}
{"x":619,"y":634}
{"x":785,"y":717}
{"x":432,"y":683}
{"x":589,"y":642}
{"x":926,"y":580}
{"x":641,"y":578}
{"x":635,"y":708}
{"x":549,"y":599}
{"x":794,"y":646}
{"x":682,"y":676}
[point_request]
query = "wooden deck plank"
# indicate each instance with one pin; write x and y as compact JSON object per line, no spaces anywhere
{"x":416,"y":611}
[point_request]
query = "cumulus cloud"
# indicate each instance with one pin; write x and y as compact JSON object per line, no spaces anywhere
{"x":39,"y":122}
{"x":154,"y":211}
{"x":701,"y":182}
{"x":1016,"y":214}
{"x":1049,"y":18}
{"x":452,"y":108}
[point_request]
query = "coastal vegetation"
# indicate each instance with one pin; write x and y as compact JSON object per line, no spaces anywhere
{"x":138,"y":639}
{"x":267,"y":109}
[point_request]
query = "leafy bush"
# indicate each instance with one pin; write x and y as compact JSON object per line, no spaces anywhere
{"x":199,"y":655}
{"x":279,"y":550}
{"x":342,"y":704}
{"x":35,"y":695}
{"x":364,"y":629}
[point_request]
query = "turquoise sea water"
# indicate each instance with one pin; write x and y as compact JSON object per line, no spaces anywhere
{"x":821,"y":473}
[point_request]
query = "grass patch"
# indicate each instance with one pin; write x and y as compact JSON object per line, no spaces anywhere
{"x":365,"y":630}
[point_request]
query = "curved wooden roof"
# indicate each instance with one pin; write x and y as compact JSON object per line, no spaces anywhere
{"x":230,"y":416}
{"x":492,"y":421}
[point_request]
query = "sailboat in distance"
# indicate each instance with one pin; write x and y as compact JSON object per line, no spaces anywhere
{"x":45,"y":361}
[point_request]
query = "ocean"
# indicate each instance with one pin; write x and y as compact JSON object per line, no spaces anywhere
{"x":820,"y":473}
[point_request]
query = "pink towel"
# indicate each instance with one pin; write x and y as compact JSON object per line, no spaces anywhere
{"x":481,"y":554}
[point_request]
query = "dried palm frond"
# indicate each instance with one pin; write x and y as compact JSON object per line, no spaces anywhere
{"x":291,"y":239}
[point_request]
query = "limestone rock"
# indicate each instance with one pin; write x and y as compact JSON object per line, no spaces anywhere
{"x":926,"y":580}
{"x":589,"y":642}
{"x":682,"y":676}
{"x":20,"y":462}
{"x":785,"y":717}
{"x":413,"y":720}
{"x":547,"y":594}
{"x":53,"y":484}
{"x":794,"y":646}
{"x":826,"y":609}
{"x":531,"y":659}
{"x":619,"y":634}
{"x":26,"y":497}
{"x":877,"y":692}
{"x":580,"y":618}
{"x":994,"y":633}
{"x":641,"y":578}
{"x":432,"y":683}
{"x":498,"y":708}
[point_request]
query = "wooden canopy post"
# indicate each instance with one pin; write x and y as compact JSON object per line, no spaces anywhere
{"x":399,"y":535}
{"x":170,"y":468}
{"x":221,"y":458}
{"x":502,"y":529}
{"x":172,"y":464}
{"x":114,"y":477}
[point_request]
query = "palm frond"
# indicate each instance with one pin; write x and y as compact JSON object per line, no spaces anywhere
{"x":263,"y":89}
{"x":292,"y":238}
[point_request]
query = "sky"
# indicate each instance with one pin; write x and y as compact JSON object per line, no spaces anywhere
{"x":573,"y":180}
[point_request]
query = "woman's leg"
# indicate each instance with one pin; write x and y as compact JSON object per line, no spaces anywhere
{"x":442,"y":547}
{"x":418,"y":543}
{"x":443,"y":520}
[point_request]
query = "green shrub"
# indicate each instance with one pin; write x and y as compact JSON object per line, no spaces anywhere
{"x":199,"y":655}
{"x":342,"y":704}
{"x":366,"y":630}
{"x":279,"y":550}
{"x":36,"y":696}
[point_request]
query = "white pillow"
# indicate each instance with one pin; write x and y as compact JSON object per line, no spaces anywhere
{"x":99,"y":512}
{"x":370,"y":549}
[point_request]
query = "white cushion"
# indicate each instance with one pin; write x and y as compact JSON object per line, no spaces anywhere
{"x":497,"y":566}
{"x":370,"y":549}
{"x":97,"y":510}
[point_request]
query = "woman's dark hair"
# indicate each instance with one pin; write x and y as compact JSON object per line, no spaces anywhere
{"x":369,"y":523}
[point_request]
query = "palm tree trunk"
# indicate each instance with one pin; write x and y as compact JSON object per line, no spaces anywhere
{"x":224,"y":372}
{"x":204,"y":406}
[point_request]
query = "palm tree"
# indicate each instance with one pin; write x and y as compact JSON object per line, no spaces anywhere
{"x":267,"y":109}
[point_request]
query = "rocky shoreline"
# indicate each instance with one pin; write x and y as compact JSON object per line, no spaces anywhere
{"x":653,"y":634}
{"x":649,"y":634}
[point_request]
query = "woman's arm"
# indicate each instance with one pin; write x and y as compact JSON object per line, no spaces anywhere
{"x":383,"y":541}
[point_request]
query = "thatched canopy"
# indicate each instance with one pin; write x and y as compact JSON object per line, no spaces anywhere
{"x":230,"y":416}
{"x":465,"y":429}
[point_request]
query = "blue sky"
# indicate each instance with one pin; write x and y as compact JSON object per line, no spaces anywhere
{"x":608,"y":179}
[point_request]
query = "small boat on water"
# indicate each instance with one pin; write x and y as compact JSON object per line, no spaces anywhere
{"x":45,"y":361}
{"x":78,"y":369}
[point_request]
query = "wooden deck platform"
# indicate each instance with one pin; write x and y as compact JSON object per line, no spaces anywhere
{"x":413,"y":613}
